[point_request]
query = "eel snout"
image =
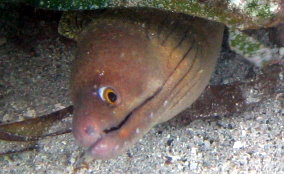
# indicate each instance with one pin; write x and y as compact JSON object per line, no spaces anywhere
{"x":106,"y":139}
{"x":86,"y":132}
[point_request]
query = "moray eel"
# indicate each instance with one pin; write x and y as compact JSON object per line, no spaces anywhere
{"x":134,"y":69}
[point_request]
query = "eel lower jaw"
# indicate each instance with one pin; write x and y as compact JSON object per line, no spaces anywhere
{"x":109,"y":144}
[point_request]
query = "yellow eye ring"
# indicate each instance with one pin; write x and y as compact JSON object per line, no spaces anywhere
{"x":108,"y":95}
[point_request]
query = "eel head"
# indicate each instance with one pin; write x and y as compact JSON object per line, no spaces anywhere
{"x":115,"y":77}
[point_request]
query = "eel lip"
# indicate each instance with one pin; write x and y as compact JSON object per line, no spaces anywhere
{"x":95,"y":144}
{"x":106,"y":131}
{"x":105,"y":146}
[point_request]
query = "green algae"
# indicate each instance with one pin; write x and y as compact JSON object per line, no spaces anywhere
{"x":70,"y":4}
{"x":255,"y":8}
{"x":236,"y":14}
{"x":240,"y":14}
{"x":245,"y":45}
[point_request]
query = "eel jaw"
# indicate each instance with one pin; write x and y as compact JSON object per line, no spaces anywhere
{"x":106,"y":131}
{"x":114,"y":141}
{"x":110,"y":143}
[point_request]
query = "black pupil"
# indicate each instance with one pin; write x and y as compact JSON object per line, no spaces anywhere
{"x":112,"y":97}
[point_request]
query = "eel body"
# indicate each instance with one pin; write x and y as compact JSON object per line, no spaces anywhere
{"x":135,"y":68}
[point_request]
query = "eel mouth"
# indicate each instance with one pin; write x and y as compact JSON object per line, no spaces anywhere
{"x":106,"y":131}
{"x":121,"y":124}
{"x":111,"y":142}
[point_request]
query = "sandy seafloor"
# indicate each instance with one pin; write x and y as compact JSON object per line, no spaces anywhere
{"x":34,"y":70}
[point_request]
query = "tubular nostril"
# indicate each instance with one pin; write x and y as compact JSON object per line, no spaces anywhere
{"x":90,"y":131}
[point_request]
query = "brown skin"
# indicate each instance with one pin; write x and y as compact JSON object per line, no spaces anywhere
{"x":157,"y":63}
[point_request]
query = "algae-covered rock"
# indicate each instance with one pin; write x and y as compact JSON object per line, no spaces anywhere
{"x":241,"y":14}
{"x":236,"y":14}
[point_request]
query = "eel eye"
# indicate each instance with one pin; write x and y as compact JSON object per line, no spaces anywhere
{"x":108,"y":95}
